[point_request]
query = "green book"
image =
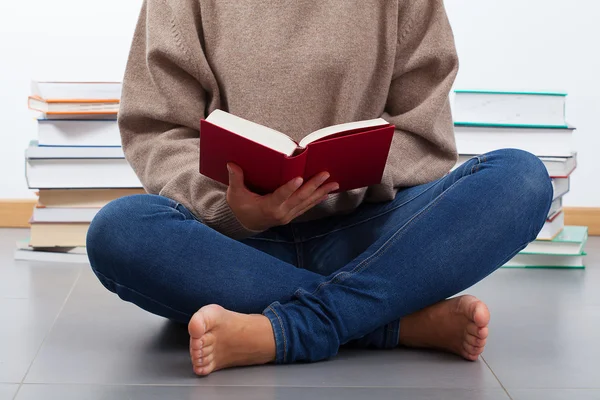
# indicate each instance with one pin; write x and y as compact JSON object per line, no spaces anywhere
{"x":570,"y":242}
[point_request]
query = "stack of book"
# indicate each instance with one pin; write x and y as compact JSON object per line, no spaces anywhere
{"x":76,"y":165}
{"x":535,"y":122}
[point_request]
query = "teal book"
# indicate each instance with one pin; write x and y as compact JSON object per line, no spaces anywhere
{"x":570,"y":242}
{"x":545,"y":261}
{"x":478,"y":138}
{"x":510,"y":108}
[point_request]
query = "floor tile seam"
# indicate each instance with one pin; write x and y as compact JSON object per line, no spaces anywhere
{"x":497,"y":379}
{"x":60,"y":310}
{"x":553,"y":388}
{"x":253,"y":386}
{"x":17,"y":392}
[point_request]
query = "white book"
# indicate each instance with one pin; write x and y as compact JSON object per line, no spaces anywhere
{"x":100,"y":91}
{"x":279,"y":141}
{"x":80,"y":174}
{"x":560,"y":167}
{"x":80,"y":116}
{"x":560,"y":187}
{"x":73,"y":255}
{"x":64,"y":214}
{"x":552,"y":227}
{"x":555,"y":207}
{"x":569,"y":242}
{"x":509,"y":108}
{"x":557,"y":167}
{"x":50,"y":256}
{"x":78,"y":133}
{"x":543,"y":142}
{"x":544,"y":261}
{"x":35,"y":151}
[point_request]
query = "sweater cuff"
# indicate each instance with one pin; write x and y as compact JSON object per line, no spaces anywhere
{"x":222,"y":219}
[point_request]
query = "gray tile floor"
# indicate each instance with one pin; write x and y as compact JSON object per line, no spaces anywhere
{"x":63,"y":336}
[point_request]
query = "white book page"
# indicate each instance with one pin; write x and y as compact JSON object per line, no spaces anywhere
{"x":334,"y":129}
{"x":250,"y":130}
{"x":77,"y":90}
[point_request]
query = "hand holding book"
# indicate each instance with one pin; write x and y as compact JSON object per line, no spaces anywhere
{"x":259,"y":213}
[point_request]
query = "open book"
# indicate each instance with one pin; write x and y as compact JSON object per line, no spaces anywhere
{"x":354,"y":153}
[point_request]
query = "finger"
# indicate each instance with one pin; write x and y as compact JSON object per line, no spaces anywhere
{"x":317,"y":197}
{"x":236,"y":178}
{"x":306,"y":192}
{"x":283,"y":193}
{"x":298,"y":213}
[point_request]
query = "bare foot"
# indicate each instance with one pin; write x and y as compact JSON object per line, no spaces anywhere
{"x":457,"y":325}
{"x":220,"y":339}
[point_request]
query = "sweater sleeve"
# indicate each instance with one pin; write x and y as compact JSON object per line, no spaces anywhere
{"x":165,"y":88}
{"x":418,"y":104}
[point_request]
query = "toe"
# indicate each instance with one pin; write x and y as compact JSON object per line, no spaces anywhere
{"x":205,"y":370}
{"x":481,"y":315}
{"x":200,"y":371}
{"x":474,"y":309}
{"x":470,"y":357}
{"x":204,"y":320}
{"x":481,"y":333}
{"x":474,"y":350}
{"x":208,"y":340}
{"x":475,"y":341}
{"x":197,"y":326}
{"x":207,"y":360}
{"x":198,"y":361}
{"x":208,"y":350}
{"x":196,"y":343}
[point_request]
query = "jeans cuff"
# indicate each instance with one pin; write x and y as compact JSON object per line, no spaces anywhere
{"x":278,"y":332}
{"x":392,"y":334}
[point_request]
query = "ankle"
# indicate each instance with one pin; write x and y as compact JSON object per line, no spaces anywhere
{"x":410,"y":334}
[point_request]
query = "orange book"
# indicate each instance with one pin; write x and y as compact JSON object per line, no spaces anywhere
{"x":75,"y":99}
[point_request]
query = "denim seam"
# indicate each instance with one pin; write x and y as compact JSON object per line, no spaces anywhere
{"x":178,"y":210}
{"x":271,"y":240}
{"x":297,"y":247}
{"x":299,"y":255}
{"x":282,"y":333}
{"x":374,"y":216}
{"x":393,"y":334}
{"x":141,"y":294}
{"x":475,"y":166}
{"x":375,"y":256}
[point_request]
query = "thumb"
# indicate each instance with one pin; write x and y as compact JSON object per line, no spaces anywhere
{"x":236,"y":178}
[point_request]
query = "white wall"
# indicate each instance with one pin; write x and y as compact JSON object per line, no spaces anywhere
{"x":503,"y":44}
{"x":538,"y":45}
{"x":53,"y":40}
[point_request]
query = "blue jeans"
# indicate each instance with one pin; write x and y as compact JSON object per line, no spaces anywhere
{"x":342,"y":280}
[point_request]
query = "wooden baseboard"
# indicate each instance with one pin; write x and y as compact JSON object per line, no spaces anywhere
{"x":584,"y":216}
{"x":16,"y":214}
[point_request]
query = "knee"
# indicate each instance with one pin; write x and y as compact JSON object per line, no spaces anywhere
{"x":527,"y":179}
{"x":112,"y":235}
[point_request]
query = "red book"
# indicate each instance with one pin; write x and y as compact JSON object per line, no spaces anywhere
{"x":353,"y":153}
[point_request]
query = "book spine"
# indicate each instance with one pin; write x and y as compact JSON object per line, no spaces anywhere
{"x":293,"y":167}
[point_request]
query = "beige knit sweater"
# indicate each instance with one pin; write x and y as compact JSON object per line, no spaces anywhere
{"x":295,"y":66}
